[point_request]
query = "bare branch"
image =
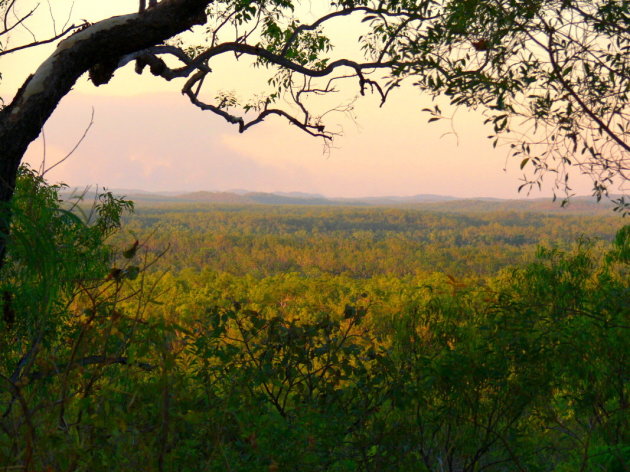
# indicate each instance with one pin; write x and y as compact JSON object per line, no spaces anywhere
{"x":16,"y":24}
{"x":316,"y":130}
{"x":8,"y":10}
{"x":278,"y":59}
{"x":44,"y":41}
{"x":345,"y":12}
{"x":76,"y":146}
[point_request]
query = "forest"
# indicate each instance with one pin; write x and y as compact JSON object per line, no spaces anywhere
{"x":456,"y":337}
{"x":272,"y":338}
{"x":264,"y":240}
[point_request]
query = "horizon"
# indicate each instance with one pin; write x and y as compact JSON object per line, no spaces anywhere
{"x":117,"y":153}
{"x":139,"y":192}
{"x":144,"y":134}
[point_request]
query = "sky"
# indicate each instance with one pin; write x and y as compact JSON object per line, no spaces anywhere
{"x":146,"y":135}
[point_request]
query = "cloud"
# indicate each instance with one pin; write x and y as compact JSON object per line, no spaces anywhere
{"x":154,"y":142}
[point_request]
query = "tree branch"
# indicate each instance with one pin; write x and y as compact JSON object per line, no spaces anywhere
{"x":7,"y":28}
{"x":348,"y":11}
{"x":158,"y":67}
{"x":567,"y":86}
{"x":87,"y":361}
{"x":280,"y":60}
{"x":44,"y":41}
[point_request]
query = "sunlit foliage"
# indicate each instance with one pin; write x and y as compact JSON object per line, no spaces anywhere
{"x":131,"y":367}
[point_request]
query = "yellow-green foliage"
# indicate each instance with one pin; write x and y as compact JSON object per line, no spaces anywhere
{"x":129,"y":366}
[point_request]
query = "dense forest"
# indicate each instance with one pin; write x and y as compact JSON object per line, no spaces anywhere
{"x":267,"y":338}
{"x":458,"y":337}
{"x":359,"y":242}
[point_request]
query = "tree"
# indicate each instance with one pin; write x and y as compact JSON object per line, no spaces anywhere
{"x":61,"y":314}
{"x":551,"y":75}
{"x":561,"y":65}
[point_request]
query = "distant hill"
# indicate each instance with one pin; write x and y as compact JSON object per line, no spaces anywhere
{"x":542,"y":205}
{"x":430,"y":202}
{"x":300,"y":194}
{"x":395,"y":200}
{"x":213,"y":197}
{"x":251,"y":198}
{"x":300,"y":198}
{"x":277,"y":199}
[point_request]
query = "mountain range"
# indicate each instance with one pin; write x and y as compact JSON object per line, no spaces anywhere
{"x":427,"y":201}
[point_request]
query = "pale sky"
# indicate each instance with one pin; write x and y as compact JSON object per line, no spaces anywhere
{"x":146,"y":135}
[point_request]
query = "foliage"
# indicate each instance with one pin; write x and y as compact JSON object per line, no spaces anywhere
{"x":356,"y":241}
{"x":62,"y":324}
{"x":348,"y":367}
{"x":52,"y":248}
{"x":550,"y":75}
{"x":125,"y":369}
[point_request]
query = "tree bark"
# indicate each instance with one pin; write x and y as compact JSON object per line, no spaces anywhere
{"x":98,"y":49}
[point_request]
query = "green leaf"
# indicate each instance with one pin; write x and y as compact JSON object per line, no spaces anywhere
{"x":132,"y":272}
{"x":131,"y":251}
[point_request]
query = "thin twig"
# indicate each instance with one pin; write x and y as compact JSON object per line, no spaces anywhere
{"x":78,"y":143}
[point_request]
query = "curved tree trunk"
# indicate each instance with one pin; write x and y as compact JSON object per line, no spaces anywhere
{"x":99,"y":49}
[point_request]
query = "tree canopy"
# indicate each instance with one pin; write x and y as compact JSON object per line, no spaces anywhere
{"x":108,"y":362}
